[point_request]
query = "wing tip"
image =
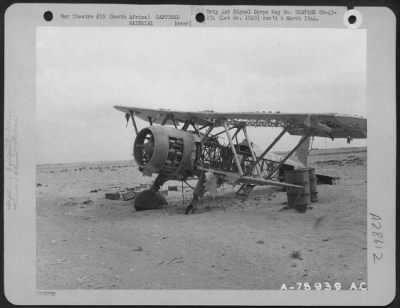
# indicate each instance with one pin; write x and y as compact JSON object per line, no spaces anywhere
{"x":120,"y":108}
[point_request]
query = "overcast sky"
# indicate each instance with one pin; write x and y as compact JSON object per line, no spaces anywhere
{"x":83,"y":72}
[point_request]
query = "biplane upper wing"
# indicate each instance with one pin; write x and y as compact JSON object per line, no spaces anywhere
{"x":331,"y":125}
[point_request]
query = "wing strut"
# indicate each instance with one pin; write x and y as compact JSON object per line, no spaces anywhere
{"x":186,"y":125}
{"x":206,"y":134}
{"x":196,"y":128}
{"x":130,"y":114}
{"x":251,"y":150}
{"x":134,"y":123}
{"x":221,"y":132}
{"x":269,"y":148}
{"x":233,"y":149}
{"x":237,"y":132}
{"x":167,"y":117}
{"x":304,"y":138}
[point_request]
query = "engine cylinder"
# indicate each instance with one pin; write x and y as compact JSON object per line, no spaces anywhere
{"x":165,"y":150}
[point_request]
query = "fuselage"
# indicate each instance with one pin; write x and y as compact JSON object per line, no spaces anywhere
{"x":178,"y":154}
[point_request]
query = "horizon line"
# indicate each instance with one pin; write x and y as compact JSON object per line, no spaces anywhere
{"x":132,"y":159}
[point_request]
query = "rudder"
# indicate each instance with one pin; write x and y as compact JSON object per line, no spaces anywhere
{"x":302,"y":152}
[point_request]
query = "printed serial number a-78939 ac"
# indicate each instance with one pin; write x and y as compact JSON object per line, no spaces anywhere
{"x":323,"y":286}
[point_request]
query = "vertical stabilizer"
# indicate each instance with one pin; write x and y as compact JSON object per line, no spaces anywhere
{"x":302,"y":152}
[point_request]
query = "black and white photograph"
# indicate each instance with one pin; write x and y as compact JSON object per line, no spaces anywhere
{"x":204,"y":109}
{"x":202,"y":155}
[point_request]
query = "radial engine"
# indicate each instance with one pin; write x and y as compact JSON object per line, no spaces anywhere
{"x":167,"y":151}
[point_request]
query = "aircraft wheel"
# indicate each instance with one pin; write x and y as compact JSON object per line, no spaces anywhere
{"x":301,"y":208}
{"x":149,"y":200}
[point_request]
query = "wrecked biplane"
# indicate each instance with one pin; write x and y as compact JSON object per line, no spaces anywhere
{"x":186,"y":145}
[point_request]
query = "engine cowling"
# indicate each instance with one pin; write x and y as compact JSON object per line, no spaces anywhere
{"x":165,"y":150}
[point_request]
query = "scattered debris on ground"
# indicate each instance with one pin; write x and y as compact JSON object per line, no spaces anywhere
{"x":130,"y":193}
{"x":295,"y":254}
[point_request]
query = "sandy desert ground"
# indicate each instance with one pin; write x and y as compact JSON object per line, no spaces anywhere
{"x":85,"y":241}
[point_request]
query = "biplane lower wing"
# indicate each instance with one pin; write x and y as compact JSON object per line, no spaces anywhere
{"x":236,"y":179}
{"x":331,"y":125}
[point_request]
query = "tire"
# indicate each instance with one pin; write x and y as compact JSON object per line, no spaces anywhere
{"x":149,"y":200}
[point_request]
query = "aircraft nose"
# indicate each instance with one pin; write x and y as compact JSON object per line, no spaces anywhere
{"x":144,"y":147}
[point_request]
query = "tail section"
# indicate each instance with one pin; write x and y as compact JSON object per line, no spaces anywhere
{"x":302,"y":152}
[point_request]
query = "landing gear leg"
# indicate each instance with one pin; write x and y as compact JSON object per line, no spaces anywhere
{"x":197,"y":194}
{"x":158,"y":182}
